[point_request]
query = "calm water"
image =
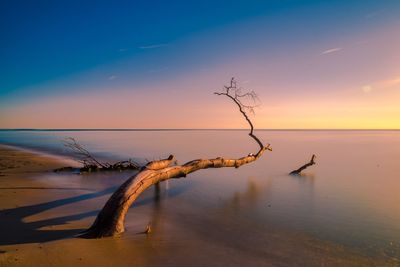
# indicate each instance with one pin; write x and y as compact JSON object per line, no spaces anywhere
{"x":350,"y":198}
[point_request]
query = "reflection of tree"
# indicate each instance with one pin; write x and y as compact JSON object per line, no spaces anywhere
{"x":156,"y":211}
{"x":161,"y":193}
{"x":249,"y":198}
{"x":308,"y":178}
{"x":111,"y":219}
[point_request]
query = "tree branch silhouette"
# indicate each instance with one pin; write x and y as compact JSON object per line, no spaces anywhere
{"x":110,"y":220}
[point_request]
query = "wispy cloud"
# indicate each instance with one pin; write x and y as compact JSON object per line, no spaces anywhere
{"x":152,"y":46}
{"x":123,"y":49}
{"x":332,"y":50}
{"x":112,"y":77}
{"x":391,"y":82}
{"x":383,"y":84}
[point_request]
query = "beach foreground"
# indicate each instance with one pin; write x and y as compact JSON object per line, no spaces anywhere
{"x":41,"y":212}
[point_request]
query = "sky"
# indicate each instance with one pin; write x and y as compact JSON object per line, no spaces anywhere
{"x":156,"y":64}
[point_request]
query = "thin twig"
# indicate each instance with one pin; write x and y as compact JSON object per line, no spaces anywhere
{"x":234,"y":93}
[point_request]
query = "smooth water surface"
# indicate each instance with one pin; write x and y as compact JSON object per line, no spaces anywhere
{"x":350,"y":197}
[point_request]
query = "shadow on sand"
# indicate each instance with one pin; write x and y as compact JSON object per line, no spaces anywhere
{"x":14,"y":230}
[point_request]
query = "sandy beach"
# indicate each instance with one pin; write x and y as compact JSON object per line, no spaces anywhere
{"x":200,"y":133}
{"x":39,"y":221}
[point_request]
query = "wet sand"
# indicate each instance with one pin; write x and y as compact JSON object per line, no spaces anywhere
{"x":41,"y":212}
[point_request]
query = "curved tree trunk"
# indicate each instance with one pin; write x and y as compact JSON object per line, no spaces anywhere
{"x":110,"y":220}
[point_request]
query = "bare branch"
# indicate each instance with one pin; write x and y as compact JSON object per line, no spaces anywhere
{"x":234,"y":93}
{"x":84,"y":156}
{"x":90,"y":163}
{"x":305,"y":166}
{"x":111,"y":219}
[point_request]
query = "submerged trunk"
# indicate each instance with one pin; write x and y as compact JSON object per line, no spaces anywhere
{"x":110,"y":220}
{"x":305,"y":166}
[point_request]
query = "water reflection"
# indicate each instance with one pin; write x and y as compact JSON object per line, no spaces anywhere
{"x":247,"y":199}
{"x":350,"y":197}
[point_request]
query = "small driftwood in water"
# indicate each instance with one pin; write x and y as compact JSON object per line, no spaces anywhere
{"x":110,"y":220}
{"x":148,"y":230}
{"x":305,"y":166}
{"x":90,"y":163}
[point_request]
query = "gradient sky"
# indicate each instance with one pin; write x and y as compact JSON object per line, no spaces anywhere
{"x":156,"y":64}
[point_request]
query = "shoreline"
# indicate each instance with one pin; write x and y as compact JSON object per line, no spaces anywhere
{"x":58,"y":159}
{"x":41,"y":212}
{"x":19,"y":160}
{"x":65,"y":159}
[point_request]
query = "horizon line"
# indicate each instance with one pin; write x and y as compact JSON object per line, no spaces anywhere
{"x":192,"y":129}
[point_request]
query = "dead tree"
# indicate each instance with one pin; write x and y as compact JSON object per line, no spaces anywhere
{"x":305,"y":166}
{"x":90,"y":163}
{"x":110,"y":220}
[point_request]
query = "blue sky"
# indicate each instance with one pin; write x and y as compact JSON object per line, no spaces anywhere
{"x":53,"y":49}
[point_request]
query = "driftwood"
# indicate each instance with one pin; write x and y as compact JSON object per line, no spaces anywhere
{"x":90,"y":163}
{"x":305,"y":166}
{"x":110,"y":220}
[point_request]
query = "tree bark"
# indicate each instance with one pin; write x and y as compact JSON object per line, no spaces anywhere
{"x":305,"y":166}
{"x":110,"y":220}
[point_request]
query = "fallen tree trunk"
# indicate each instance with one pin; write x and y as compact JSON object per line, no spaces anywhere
{"x":90,"y":163}
{"x":305,"y":166}
{"x":110,"y":220}
{"x":118,"y":166}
